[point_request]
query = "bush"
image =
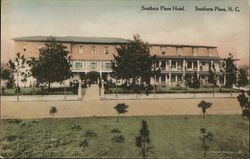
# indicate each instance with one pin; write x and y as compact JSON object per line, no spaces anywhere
{"x":90,"y":133}
{"x":177,"y":87}
{"x":115,"y":130}
{"x":15,"y":121}
{"x":84,"y":143}
{"x":76,"y":127}
{"x":11,"y":137}
{"x":118,"y":138}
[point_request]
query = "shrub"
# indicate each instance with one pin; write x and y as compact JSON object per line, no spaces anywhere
{"x":177,"y":87}
{"x":90,"y":133}
{"x":76,"y":127}
{"x":118,"y":138}
{"x":84,"y":143}
{"x":11,"y":137}
{"x":115,"y":130}
{"x":15,"y":121}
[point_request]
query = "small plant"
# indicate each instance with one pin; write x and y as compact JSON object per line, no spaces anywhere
{"x":143,"y":138}
{"x":76,"y":127}
{"x":115,"y":130}
{"x":53,"y":111}
{"x":14,"y":121}
{"x":84,"y":143}
{"x":11,"y":137}
{"x":90,"y":133}
{"x":205,"y":136}
{"x":118,"y":138}
{"x":121,"y":108}
{"x":204,"y":106}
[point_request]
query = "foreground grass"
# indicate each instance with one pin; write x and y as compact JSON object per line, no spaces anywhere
{"x":171,"y":137}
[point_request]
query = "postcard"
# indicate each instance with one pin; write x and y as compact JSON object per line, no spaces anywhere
{"x":125,"y":79}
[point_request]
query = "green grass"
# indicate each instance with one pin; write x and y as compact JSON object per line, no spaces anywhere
{"x":38,"y":91}
{"x":173,"y":89}
{"x":171,"y":137}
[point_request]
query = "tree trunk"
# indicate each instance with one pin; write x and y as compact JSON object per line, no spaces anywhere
{"x":118,"y":118}
{"x":18,"y":85}
{"x":144,"y":149}
{"x":154,"y":85}
{"x":49,"y":87}
{"x":213,"y":90}
{"x":204,"y":116}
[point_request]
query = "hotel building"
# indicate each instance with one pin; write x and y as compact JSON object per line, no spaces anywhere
{"x":95,"y":54}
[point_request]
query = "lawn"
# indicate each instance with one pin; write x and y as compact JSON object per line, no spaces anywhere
{"x":171,"y":137}
{"x":38,"y":91}
{"x":173,"y":89}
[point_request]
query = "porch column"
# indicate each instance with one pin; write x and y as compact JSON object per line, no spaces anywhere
{"x":192,"y":65}
{"x":170,"y":65}
{"x":198,"y":65}
{"x":160,"y":79}
{"x":166,"y":79}
{"x":169,"y":81}
{"x":183,"y":78}
{"x":184,"y":65}
{"x":176,"y":80}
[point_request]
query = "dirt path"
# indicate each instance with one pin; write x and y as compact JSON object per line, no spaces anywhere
{"x":92,"y":93}
{"x":96,"y":107}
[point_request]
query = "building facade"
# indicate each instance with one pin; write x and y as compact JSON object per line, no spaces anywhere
{"x":95,"y":54}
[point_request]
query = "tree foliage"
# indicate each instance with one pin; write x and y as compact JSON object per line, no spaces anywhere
{"x":53,"y":63}
{"x":204,"y":106}
{"x":133,"y":61}
{"x":143,"y":138}
{"x":53,"y":110}
{"x":242,"y":78}
{"x":230,"y":71}
{"x":195,"y":81}
{"x":121,"y":108}
{"x":244,"y":104}
{"x":205,"y":137}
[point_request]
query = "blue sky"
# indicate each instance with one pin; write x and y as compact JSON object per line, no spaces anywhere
{"x":124,"y":18}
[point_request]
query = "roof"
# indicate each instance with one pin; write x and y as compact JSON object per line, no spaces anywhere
{"x":100,"y":40}
{"x":74,"y":39}
{"x":191,"y":57}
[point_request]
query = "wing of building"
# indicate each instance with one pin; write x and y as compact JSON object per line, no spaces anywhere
{"x":95,"y":54}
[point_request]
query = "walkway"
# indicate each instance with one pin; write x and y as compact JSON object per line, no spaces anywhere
{"x":92,"y":107}
{"x":92,"y":93}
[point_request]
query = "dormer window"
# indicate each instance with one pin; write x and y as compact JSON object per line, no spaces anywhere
{"x":179,"y":50}
{"x":106,"y":51}
{"x":210,"y":51}
{"x":163,"y":50}
{"x":93,"y":49}
{"x":195,"y":51}
{"x":81,"y":49}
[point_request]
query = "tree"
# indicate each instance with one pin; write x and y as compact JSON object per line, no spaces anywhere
{"x":133,"y":61}
{"x":244,"y":104}
{"x":230,"y":71}
{"x":53,"y":110}
{"x":212,"y":77}
{"x":156,"y":71}
{"x":93,"y":76}
{"x":143,"y":138}
{"x":53,"y":64}
{"x":205,"y":136}
{"x":195,"y":81}
{"x":242,"y":78}
{"x":204,"y":106}
{"x":18,"y":67}
{"x":5,"y":74}
{"x":188,"y":79}
{"x":121,"y":109}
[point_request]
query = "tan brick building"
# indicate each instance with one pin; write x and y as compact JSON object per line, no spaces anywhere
{"x":95,"y":54}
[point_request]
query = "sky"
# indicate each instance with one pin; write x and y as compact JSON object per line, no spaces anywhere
{"x":229,"y":31}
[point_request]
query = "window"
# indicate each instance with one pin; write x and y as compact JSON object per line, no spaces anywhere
{"x":80,"y":49}
{"x":163,"y":78}
{"x":106,"y":51}
{"x":173,"y":78}
{"x":78,"y":65}
{"x":24,"y":47}
{"x":210,"y":51}
{"x":195,"y":51}
{"x":189,"y":64}
{"x":163,"y":63}
{"x":179,"y":78}
{"x":195,"y":64}
{"x":163,"y":50}
{"x":93,"y":65}
{"x":179,"y":50}
{"x":106,"y":65}
{"x":93,"y":49}
{"x":203,"y":63}
{"x":173,"y":64}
